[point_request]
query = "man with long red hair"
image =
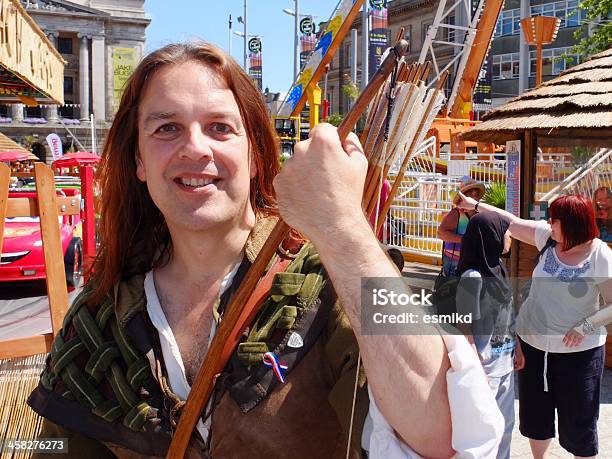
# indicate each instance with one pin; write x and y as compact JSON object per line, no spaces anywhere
{"x":190,"y":192}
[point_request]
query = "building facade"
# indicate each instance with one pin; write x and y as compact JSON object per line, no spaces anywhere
{"x":416,"y":16}
{"x":101,"y":42}
{"x":505,"y":48}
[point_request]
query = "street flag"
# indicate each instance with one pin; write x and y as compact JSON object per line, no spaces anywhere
{"x":255,"y":61}
{"x":378,"y":34}
{"x":308,"y":39}
{"x":55,"y":145}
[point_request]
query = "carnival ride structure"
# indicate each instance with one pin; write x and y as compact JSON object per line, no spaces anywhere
{"x":22,"y":256}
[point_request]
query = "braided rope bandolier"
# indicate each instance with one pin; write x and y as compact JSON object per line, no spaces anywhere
{"x":112,"y":358}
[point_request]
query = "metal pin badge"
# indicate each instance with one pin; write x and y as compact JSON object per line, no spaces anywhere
{"x":295,"y":340}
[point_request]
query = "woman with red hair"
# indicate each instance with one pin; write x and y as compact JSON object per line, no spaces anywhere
{"x":560,"y":325}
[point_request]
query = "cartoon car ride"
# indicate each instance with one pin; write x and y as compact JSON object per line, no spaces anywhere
{"x":22,"y":252}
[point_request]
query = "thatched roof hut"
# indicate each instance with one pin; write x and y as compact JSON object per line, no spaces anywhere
{"x":576,"y":104}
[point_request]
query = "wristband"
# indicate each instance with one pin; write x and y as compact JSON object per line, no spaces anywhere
{"x":476,"y":206}
{"x":587,"y":327}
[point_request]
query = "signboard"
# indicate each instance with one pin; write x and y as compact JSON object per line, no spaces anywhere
{"x":255,"y":61}
{"x":483,"y":94}
{"x":124,"y":63}
{"x":55,"y":145}
{"x":378,"y":34}
{"x":307,"y":25}
{"x":308,"y":39}
{"x":513,"y":177}
{"x":255,"y":45}
{"x":538,"y":211}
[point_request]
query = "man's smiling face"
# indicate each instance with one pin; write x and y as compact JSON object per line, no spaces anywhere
{"x":193,"y":150}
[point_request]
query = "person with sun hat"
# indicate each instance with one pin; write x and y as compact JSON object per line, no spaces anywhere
{"x":453,"y":226}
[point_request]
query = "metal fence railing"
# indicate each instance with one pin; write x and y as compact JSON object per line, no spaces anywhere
{"x":416,"y":213}
{"x":429,"y":184}
{"x":594,"y":174}
{"x":426,"y":192}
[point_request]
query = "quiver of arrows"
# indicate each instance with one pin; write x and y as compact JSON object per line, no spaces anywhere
{"x":391,"y":138}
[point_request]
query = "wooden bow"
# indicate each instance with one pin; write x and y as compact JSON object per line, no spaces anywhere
{"x":237,"y":316}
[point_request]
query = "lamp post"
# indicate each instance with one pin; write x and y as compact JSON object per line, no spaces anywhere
{"x":241,"y":35}
{"x":365,"y":43}
{"x":538,"y":31}
{"x":296,"y":40}
{"x":246,"y":34}
{"x":296,"y":37}
{"x":230,"y":35}
{"x":243,"y":20}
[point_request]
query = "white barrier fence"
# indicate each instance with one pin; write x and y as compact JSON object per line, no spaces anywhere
{"x":426,"y":192}
{"x":425,"y":196}
{"x":416,"y":213}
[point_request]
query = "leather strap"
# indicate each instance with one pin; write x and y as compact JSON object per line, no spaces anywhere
{"x":285,"y":254}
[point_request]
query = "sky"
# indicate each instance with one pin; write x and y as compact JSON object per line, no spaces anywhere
{"x":182,"y":20}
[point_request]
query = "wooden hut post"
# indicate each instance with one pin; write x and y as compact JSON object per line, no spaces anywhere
{"x":523,"y":255}
{"x":529,"y":153}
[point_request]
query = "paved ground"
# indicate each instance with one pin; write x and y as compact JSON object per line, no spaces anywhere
{"x":423,"y":276}
{"x":24,"y":309}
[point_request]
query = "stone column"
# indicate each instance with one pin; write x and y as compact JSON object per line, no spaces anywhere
{"x":109,"y":84}
{"x":98,"y":73}
{"x":51,"y":110}
{"x":84,"y":77}
{"x":17,"y":112}
{"x":524,"y":60}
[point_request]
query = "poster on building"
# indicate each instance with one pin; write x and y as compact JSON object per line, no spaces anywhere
{"x":513,"y":177}
{"x":308,"y":39}
{"x":378,"y":34}
{"x":483,"y":93}
{"x":124,"y":63}
{"x":255,"y":61}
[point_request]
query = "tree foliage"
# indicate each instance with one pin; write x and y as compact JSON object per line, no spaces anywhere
{"x":594,"y":11}
{"x":351,"y":90}
{"x":335,"y":119}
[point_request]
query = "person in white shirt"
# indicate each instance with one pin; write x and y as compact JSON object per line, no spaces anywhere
{"x":561,"y":325}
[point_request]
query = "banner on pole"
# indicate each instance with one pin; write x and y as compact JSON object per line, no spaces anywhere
{"x":513,"y":177}
{"x":124,"y":63}
{"x":483,"y":94}
{"x":308,"y":39}
{"x":55,"y":145}
{"x":255,"y":61}
{"x":378,"y":34}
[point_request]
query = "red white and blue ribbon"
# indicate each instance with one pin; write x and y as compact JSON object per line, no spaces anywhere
{"x":271,"y":360}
